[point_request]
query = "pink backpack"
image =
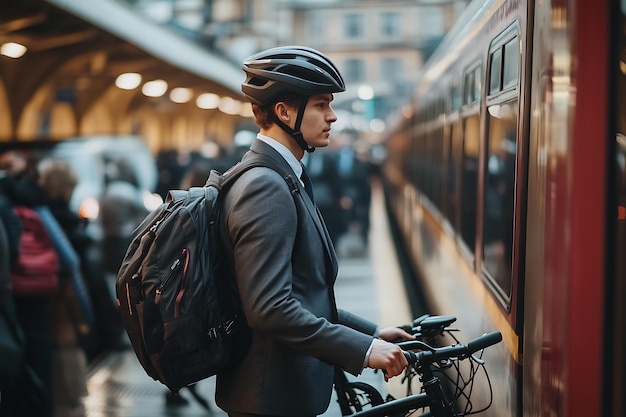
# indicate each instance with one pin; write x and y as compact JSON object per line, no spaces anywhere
{"x":35,"y":272}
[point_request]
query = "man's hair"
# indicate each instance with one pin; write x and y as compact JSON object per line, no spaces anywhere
{"x":58,"y":179}
{"x":264,"y":115}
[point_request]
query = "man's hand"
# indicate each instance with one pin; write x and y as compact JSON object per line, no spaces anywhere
{"x":394,"y":334}
{"x":388,"y":357}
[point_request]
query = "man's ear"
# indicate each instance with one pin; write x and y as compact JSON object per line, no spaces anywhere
{"x":281,"y":110}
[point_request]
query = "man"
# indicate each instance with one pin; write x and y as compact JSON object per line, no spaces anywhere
{"x":284,"y":261}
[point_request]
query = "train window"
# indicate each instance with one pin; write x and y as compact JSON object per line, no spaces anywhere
{"x":472,"y":84}
{"x":454,"y":153}
{"x":468,"y":88}
{"x":438,"y":168}
{"x":455,"y":97}
{"x":477,"y":84}
{"x":469,"y":180}
{"x":504,"y":60}
{"x":494,"y":78}
{"x":499,"y":194}
{"x":510,"y":72}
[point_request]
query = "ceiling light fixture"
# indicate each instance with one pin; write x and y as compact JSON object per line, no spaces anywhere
{"x":12,"y":50}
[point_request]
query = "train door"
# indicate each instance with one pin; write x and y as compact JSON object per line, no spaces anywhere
{"x":614,"y":402}
{"x":504,"y":183}
{"x":501,"y":179}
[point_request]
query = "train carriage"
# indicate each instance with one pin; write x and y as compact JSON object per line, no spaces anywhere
{"x":506,"y":177}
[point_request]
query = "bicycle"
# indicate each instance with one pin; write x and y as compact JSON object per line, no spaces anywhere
{"x":354,"y":396}
{"x":426,"y":363}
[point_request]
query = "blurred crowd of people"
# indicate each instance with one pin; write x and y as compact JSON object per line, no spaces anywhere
{"x":59,"y":323}
{"x":341,"y":178}
{"x":341,"y":175}
{"x":64,"y":327}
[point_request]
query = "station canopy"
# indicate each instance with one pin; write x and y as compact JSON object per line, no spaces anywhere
{"x":82,"y":46}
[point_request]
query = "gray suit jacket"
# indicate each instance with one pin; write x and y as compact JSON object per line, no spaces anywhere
{"x":285,"y":266}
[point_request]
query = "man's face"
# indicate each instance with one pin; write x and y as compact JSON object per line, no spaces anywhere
{"x":318,"y":116}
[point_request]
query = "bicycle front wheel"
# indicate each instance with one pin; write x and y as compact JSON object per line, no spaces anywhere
{"x":359,"y":396}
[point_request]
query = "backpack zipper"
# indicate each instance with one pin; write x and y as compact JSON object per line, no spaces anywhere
{"x":173,"y":268}
{"x":183,"y":284}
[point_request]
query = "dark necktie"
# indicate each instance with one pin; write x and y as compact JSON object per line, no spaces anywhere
{"x":308,"y":186}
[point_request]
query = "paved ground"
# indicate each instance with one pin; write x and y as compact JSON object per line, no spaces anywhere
{"x":369,"y":284}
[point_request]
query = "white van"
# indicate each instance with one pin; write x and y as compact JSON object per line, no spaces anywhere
{"x":89,"y":157}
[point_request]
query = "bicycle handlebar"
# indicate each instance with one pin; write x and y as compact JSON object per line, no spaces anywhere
{"x":484,"y":341}
{"x":430,"y":355}
{"x":433,"y":396}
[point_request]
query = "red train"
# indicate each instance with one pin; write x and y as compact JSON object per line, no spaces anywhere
{"x":506,"y":177}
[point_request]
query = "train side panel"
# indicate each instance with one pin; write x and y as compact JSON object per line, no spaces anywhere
{"x":566,"y":233}
{"x":429,"y":197}
{"x":504,"y":176}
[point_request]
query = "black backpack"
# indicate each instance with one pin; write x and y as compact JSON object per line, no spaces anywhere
{"x":178,"y":300}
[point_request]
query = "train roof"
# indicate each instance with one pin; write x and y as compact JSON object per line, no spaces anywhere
{"x":465,"y":29}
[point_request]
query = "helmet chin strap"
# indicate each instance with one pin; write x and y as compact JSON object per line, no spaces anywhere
{"x":295,"y":132}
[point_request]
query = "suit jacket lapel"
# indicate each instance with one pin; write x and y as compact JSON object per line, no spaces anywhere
{"x":261,"y":147}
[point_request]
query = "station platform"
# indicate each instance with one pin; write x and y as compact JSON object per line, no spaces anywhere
{"x":369,"y":284}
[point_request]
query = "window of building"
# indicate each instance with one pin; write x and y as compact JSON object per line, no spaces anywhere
{"x":354,"y":70}
{"x":317,"y":24}
{"x":354,"y":26}
{"x":391,"y":69}
{"x":432,"y":21}
{"x":390,"y":24}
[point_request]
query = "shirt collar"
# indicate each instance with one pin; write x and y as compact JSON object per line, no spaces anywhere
{"x":284,"y":152}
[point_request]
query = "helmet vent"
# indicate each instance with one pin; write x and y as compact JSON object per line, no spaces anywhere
{"x":257,"y":81}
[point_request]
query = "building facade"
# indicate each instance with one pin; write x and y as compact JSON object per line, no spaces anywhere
{"x":378,"y":45}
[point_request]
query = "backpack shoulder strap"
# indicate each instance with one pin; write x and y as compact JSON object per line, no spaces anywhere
{"x":175,"y":197}
{"x":221,"y":181}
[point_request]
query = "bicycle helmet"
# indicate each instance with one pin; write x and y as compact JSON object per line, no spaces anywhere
{"x":290,"y":70}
